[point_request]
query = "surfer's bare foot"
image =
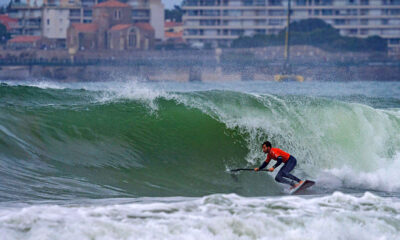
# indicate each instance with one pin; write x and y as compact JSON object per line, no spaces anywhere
{"x":297,"y":184}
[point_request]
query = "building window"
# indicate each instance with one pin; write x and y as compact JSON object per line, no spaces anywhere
{"x":260,"y":2}
{"x":191,"y":32}
{"x":340,"y":22}
{"x":236,"y":32}
{"x":353,"y":31}
{"x":87,"y":13}
{"x":276,"y":13}
{"x":394,"y":41}
{"x":209,"y":3}
{"x":248,"y":2}
{"x":394,"y":12}
{"x":260,"y":31}
{"x":300,"y":2}
{"x":210,"y":13}
{"x":327,"y":2}
{"x":364,"y":2}
{"x":391,"y":2}
{"x":364,"y":12}
{"x":75,"y":13}
{"x":327,"y":12}
{"x":209,"y":22}
{"x":48,"y":21}
{"x":274,"y":2}
{"x":132,"y":39}
{"x":117,"y":14}
{"x":232,"y":13}
{"x":190,"y":13}
{"x":191,"y":3}
{"x":275,"y":22}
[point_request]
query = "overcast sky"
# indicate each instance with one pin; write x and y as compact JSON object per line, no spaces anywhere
{"x":171,"y":3}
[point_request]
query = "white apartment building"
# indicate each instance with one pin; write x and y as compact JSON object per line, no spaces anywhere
{"x":55,"y":22}
{"x":220,"y":21}
{"x":29,"y":18}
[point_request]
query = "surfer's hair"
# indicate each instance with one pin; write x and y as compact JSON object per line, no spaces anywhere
{"x":267,"y":144}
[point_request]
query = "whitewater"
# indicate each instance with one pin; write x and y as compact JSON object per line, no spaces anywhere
{"x":137,"y":160}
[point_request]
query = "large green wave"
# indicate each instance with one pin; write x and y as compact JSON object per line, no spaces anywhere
{"x":67,"y":143}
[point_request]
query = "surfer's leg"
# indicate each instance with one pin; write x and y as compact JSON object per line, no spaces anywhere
{"x":280,"y":177}
{"x":288,"y":167}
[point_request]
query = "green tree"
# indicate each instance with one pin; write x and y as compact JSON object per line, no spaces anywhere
{"x":314,"y":32}
{"x":174,"y":14}
{"x":4,"y":35}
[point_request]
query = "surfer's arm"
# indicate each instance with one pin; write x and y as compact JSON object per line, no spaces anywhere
{"x":278,"y":162}
{"x":263,"y":165}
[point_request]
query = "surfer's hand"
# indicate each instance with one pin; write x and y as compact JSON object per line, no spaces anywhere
{"x":256,"y":169}
{"x":271,"y":169}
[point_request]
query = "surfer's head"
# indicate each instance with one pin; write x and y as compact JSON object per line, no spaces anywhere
{"x":266,"y":146}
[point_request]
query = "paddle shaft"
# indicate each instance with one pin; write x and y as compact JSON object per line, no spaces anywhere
{"x":248,"y":169}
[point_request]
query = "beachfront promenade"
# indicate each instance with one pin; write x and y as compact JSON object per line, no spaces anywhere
{"x":198,"y":65}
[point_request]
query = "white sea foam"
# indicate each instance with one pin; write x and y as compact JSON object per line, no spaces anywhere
{"x":384,"y":177}
{"x":338,"y":216}
{"x":37,"y":83}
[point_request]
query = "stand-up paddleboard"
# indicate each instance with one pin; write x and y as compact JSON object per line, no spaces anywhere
{"x":303,"y":186}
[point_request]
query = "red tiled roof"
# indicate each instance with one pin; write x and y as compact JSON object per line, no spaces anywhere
{"x":8,"y":21}
{"x":24,"y":39}
{"x":144,"y":26}
{"x":121,"y":27}
{"x":170,"y":24}
{"x":85,"y":27}
{"x":173,"y":34}
{"x":112,"y":3}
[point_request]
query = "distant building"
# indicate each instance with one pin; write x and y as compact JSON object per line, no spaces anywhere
{"x":55,"y":24}
{"x":51,"y":18}
{"x":131,"y":36}
{"x":149,"y":11}
{"x":170,"y":26}
{"x":82,"y":36}
{"x":25,"y":42}
{"x":173,"y":32}
{"x":220,"y":21}
{"x":112,"y":28}
{"x":29,"y":18}
{"x":10,"y":23}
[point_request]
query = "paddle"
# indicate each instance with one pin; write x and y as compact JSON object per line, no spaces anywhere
{"x":248,"y":169}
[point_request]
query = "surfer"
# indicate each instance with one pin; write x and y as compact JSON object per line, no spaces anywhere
{"x":280,"y":156}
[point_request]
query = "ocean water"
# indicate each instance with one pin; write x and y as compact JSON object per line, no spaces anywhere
{"x":134,"y":160}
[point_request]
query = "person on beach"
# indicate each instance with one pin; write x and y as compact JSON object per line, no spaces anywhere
{"x":280,"y":156}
